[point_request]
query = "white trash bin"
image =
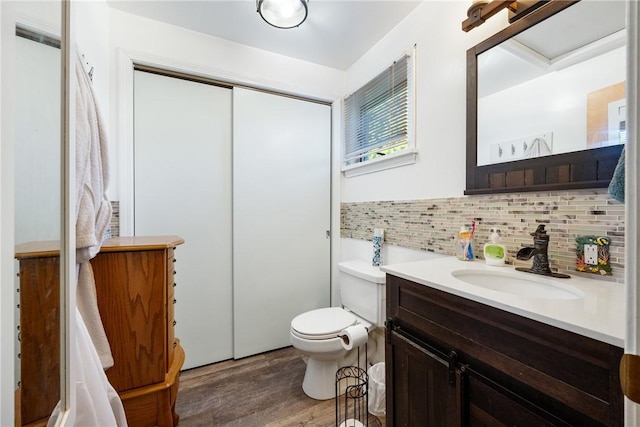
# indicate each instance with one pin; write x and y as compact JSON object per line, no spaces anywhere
{"x":377,"y":394}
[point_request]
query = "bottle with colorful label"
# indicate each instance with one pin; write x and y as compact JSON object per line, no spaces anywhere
{"x":464,"y":250}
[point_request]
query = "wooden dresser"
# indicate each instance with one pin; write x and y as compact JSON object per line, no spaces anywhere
{"x":135,"y":288}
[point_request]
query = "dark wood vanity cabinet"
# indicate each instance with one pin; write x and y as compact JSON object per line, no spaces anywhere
{"x":453,"y":361}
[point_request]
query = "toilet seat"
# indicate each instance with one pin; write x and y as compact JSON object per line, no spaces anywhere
{"x":322,"y":324}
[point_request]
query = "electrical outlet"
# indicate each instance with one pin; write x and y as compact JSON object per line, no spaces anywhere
{"x":591,"y":254}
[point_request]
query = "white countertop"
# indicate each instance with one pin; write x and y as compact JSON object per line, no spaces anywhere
{"x":599,"y":314}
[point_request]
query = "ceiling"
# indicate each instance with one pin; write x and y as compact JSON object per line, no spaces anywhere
{"x":335,"y":34}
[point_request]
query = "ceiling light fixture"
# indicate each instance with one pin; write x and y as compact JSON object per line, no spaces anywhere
{"x":283,"y":13}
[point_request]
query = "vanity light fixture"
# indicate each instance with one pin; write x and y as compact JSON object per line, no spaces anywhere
{"x":481,"y":10}
{"x":283,"y":13}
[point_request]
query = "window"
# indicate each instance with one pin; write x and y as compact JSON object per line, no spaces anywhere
{"x":378,"y":120}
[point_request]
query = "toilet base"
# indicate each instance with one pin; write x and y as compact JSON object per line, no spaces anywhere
{"x":320,"y":379}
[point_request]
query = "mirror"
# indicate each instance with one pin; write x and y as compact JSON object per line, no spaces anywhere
{"x":546,"y":100}
{"x":37,"y":185}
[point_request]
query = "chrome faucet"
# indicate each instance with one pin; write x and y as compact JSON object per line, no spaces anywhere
{"x":540,"y":255}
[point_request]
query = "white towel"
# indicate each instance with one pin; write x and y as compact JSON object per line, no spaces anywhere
{"x":539,"y":147}
{"x":93,"y":210}
{"x":87,"y":302}
{"x":97,"y":402}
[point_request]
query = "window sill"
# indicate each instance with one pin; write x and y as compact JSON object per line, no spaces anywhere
{"x":402,"y":158}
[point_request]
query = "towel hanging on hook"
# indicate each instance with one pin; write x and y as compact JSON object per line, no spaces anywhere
{"x":87,"y":67}
{"x":616,"y":186}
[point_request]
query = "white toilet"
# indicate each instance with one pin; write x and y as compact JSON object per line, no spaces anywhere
{"x":316,"y":332}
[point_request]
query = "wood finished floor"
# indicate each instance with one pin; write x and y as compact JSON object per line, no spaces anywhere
{"x":258,"y":391}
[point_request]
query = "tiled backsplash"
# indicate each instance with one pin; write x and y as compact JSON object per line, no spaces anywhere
{"x":115,"y":219}
{"x":433,"y":224}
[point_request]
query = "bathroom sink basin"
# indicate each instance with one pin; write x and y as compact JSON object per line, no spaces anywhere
{"x":520,"y":284}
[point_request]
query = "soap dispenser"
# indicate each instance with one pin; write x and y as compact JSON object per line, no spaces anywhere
{"x":494,"y":252}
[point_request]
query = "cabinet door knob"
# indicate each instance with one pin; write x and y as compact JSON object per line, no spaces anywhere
{"x":174,"y":301}
{"x":175,"y":323}
{"x":174,"y":284}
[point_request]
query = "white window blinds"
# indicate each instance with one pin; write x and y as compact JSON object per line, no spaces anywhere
{"x":378,"y":116}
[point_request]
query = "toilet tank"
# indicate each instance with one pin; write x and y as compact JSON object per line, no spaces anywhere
{"x":363,"y":290}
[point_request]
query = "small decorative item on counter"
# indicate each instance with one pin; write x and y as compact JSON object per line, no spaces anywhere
{"x":464,"y":249}
{"x":592,"y":255}
{"x":378,"y":237}
{"x":494,"y":252}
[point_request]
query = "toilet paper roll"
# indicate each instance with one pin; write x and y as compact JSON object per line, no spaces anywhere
{"x":354,"y":336}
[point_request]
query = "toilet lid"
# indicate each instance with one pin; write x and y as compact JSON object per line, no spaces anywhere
{"x":323,"y":322}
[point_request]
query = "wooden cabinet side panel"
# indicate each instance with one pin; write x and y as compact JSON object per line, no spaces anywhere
{"x":171,"y":302}
{"x":132,"y":291}
{"x":40,"y":337}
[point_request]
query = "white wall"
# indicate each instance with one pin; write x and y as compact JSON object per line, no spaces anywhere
{"x":137,"y":39}
{"x":435,"y":27}
{"x":92,"y":39}
{"x":441,"y":91}
{"x":222,"y":59}
{"x":155,"y":43}
{"x":362,"y":249}
{"x":441,"y":46}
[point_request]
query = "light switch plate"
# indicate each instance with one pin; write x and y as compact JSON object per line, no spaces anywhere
{"x":591,"y":254}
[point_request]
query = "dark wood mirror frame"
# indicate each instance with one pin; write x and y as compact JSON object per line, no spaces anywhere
{"x":592,"y":168}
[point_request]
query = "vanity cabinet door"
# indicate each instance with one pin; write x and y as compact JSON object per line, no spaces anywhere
{"x":422,"y":391}
{"x":489,"y":404}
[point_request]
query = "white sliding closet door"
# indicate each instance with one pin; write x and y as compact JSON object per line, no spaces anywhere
{"x":183,"y":187}
{"x":281,"y":214}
